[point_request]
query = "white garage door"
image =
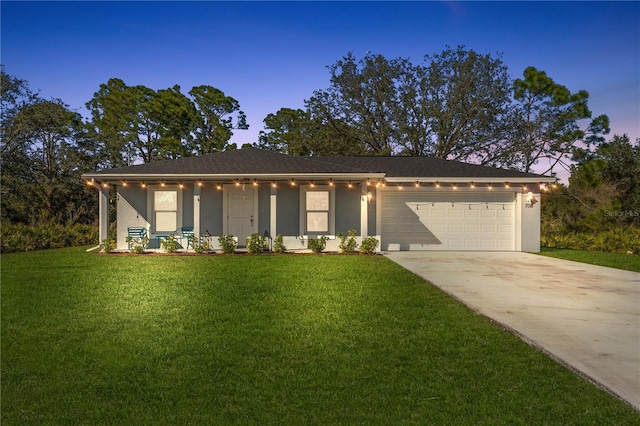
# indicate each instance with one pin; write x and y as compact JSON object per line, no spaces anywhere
{"x":447,"y":221}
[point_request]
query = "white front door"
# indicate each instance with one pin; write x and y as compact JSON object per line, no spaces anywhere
{"x":242,"y":220}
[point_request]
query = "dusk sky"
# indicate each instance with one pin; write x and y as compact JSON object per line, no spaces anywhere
{"x":270,"y":55}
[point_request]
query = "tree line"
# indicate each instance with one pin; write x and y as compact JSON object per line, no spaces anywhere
{"x":457,"y":104}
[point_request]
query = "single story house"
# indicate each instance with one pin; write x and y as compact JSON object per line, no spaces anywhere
{"x":407,"y":203}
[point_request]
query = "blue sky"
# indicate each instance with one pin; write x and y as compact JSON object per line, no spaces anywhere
{"x":270,"y":55}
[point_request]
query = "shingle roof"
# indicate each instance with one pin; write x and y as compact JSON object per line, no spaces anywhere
{"x":425,"y":167}
{"x":248,"y":162}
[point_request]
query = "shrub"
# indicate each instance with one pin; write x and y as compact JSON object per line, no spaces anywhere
{"x":108,"y":245}
{"x":256,"y":243}
{"x":17,"y":237}
{"x":227,"y":243}
{"x":317,"y":245}
{"x":278,"y":244}
{"x":369,"y":245}
{"x":617,"y":240}
{"x":348,"y":244}
{"x":170,"y":245}
{"x":138,"y":245}
{"x":199,"y":246}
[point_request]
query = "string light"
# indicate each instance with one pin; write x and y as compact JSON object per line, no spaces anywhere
{"x":330,"y":182}
{"x":437,"y":184}
{"x":417,"y":184}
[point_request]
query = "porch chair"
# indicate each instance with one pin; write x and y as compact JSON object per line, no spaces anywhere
{"x":137,"y":233}
{"x":186,"y":232}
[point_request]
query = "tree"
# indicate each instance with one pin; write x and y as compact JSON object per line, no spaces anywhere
{"x":464,"y":97}
{"x":294,"y":132}
{"x":363,"y":96}
{"x":603,"y":191}
{"x":43,"y":183}
{"x":545,"y":121}
{"x":15,"y":94}
{"x":171,"y":118}
{"x":113,"y":109}
{"x":623,"y":171}
{"x":214,"y":119}
{"x":136,"y":122}
{"x":287,"y":131}
{"x":452,"y":107}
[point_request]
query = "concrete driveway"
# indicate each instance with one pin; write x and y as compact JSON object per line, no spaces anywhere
{"x":585,"y":316}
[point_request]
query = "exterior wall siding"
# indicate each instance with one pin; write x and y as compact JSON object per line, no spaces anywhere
{"x":211,"y":211}
{"x":288,"y":208}
{"x":347,"y":209}
{"x":530,"y":223}
{"x":264,"y":209}
{"x":131,"y":211}
{"x":187,"y":205}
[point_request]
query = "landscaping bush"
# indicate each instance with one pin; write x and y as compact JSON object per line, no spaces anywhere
{"x":278,"y":244}
{"x":17,"y":237}
{"x":369,"y":245}
{"x":227,"y":243}
{"x":317,"y":245}
{"x":617,"y":240}
{"x":348,"y":244}
{"x":256,"y":243}
{"x":170,"y":245}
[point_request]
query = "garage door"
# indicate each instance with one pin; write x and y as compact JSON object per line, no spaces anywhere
{"x":417,"y":220}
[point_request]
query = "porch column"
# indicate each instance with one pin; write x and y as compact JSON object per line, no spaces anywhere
{"x":196,"y":211}
{"x":103,"y":213}
{"x":273,"y":212}
{"x":364,"y":210}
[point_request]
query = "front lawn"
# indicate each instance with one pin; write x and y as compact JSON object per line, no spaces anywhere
{"x":291,"y":339}
{"x":628,"y":262}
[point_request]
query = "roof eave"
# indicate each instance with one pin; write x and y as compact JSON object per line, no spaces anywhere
{"x":540,"y":179}
{"x":231,"y":176}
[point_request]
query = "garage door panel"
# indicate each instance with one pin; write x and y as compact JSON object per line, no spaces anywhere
{"x":471,"y":228}
{"x":448,"y":221}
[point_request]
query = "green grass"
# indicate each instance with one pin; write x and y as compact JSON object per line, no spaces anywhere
{"x":627,"y":262}
{"x":260,"y":340}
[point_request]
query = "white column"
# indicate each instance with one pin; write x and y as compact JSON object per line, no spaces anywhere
{"x":196,"y":210}
{"x":273,"y":212}
{"x":103,"y":213}
{"x":364,"y":210}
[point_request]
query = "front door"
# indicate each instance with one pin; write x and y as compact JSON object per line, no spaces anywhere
{"x":241,"y":213}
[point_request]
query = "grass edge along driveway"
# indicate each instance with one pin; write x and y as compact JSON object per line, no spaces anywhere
{"x":293,"y":339}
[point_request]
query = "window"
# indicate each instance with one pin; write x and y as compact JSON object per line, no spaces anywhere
{"x":165,"y":208}
{"x":317,"y":210}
